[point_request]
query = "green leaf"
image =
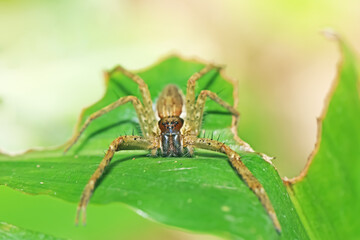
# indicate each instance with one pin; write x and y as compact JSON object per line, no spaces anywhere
{"x":9,"y":232}
{"x":202,"y":193}
{"x":328,"y":191}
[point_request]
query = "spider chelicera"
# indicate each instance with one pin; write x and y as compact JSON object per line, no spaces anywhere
{"x":171,"y":135}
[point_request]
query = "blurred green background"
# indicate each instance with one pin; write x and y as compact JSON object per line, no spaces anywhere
{"x":52,"y":54}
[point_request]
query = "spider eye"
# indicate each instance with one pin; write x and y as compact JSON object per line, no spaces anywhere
{"x":176,"y":122}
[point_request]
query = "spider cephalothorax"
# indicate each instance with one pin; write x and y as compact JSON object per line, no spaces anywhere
{"x":171,"y":140}
{"x":171,"y":134}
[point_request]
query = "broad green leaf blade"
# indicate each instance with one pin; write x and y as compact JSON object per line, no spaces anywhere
{"x":11,"y":232}
{"x":328,"y":196}
{"x":202,"y":193}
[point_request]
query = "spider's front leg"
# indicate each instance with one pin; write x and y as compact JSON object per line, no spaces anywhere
{"x":133,"y":142}
{"x":241,"y":169}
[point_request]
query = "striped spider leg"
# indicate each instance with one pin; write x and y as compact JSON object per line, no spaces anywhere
{"x":192,"y":107}
{"x":148,"y":125}
{"x":192,"y":128}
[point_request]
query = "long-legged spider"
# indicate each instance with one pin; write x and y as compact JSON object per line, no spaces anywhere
{"x":171,"y":135}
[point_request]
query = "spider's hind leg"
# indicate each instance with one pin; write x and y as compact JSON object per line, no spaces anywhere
{"x":137,"y":105}
{"x":200,"y":105}
{"x":194,"y":126}
{"x":190,"y":95}
{"x":146,"y":99}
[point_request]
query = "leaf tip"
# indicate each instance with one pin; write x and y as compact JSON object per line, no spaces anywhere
{"x":330,"y":34}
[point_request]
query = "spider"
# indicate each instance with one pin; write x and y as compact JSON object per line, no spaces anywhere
{"x":171,"y":136}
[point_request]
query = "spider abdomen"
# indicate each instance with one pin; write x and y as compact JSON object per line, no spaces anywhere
{"x":170,"y":102}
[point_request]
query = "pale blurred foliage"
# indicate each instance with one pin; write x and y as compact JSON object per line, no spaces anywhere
{"x":52,"y":54}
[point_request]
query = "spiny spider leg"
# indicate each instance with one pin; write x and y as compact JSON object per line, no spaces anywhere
{"x":146,"y":99}
{"x":242,"y":170}
{"x":137,"y":105}
{"x":190,"y":95}
{"x":200,"y":104}
{"x":193,"y":127}
{"x":133,"y":142}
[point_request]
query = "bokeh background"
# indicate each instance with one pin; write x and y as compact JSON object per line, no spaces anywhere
{"x":52,"y":54}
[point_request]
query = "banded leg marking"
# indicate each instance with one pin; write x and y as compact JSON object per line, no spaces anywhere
{"x":241,"y":169}
{"x":135,"y":142}
{"x":146,"y":97}
{"x":200,"y":105}
{"x":190,"y":94}
{"x":137,"y":105}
